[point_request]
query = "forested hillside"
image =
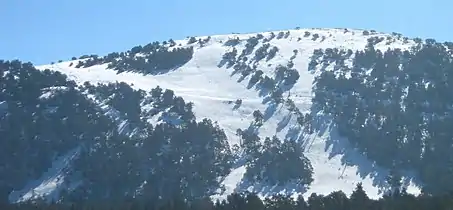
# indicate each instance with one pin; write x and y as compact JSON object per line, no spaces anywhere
{"x":337,"y":200}
{"x":307,"y":113}
{"x":115,"y":151}
{"x":395,"y":106}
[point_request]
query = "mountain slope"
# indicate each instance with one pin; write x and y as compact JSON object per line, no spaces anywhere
{"x":214,"y":89}
{"x":297,"y":112}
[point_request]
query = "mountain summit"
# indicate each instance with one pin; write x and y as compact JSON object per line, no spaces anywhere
{"x":296,"y":112}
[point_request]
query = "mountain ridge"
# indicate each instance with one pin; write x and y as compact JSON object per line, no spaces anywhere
{"x":219,"y":82}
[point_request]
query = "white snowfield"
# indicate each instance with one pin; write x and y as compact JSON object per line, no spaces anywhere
{"x":336,"y":165}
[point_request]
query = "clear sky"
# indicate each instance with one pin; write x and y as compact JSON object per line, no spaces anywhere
{"x":42,"y":31}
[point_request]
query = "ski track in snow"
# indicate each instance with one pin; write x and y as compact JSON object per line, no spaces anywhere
{"x":336,"y":165}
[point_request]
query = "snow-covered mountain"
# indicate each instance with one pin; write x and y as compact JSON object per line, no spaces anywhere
{"x":217,"y":79}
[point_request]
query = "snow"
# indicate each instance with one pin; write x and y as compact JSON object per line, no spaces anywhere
{"x":50,"y":91}
{"x":49,"y":183}
{"x":336,"y":165}
{"x":3,"y":106}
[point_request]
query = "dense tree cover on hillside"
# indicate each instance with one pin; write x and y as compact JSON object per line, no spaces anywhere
{"x":172,"y":161}
{"x":274,"y":161}
{"x":337,"y":200}
{"x":395,"y":106}
{"x":121,"y":97}
{"x":173,"y":157}
{"x":153,"y":58}
{"x":123,"y":137}
{"x":45,"y":116}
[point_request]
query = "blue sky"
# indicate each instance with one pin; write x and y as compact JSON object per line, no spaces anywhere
{"x":42,"y":31}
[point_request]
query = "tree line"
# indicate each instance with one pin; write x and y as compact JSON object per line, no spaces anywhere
{"x":337,"y":200}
